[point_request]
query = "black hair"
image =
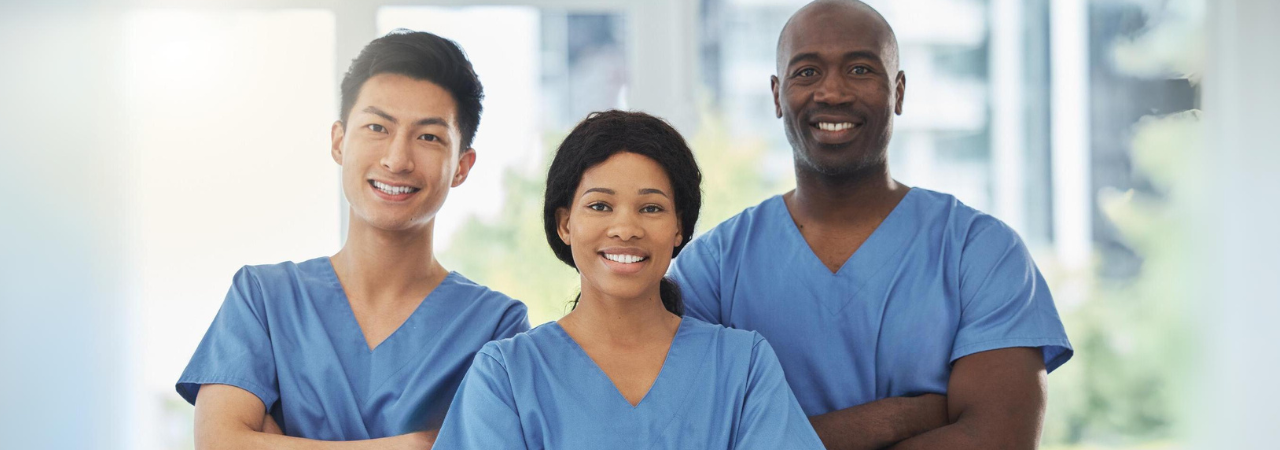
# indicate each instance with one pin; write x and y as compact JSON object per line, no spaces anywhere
{"x":600,"y":136}
{"x":423,"y":56}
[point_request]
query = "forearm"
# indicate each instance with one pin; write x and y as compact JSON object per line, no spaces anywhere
{"x":218,"y":439}
{"x":881,"y":423}
{"x":996,"y":400}
{"x":964,"y":436}
{"x":951,"y":437}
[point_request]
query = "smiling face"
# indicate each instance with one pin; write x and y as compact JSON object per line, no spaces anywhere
{"x":838,"y":87}
{"x":399,"y":152}
{"x":622,"y":227}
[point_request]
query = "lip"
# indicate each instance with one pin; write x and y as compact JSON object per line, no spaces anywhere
{"x":624,"y":269}
{"x":389,"y":197}
{"x":834,"y":137}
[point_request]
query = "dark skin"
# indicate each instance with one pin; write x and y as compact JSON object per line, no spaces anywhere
{"x":837,"y":90}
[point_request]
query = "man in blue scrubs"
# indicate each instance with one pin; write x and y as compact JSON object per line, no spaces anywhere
{"x":364,"y":349}
{"x":902,"y":317}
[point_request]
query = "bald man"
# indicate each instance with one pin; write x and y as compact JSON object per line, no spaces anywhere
{"x":903,"y":318}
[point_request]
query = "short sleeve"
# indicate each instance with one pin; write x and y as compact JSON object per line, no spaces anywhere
{"x":771,"y":416}
{"x":515,"y":320}
{"x":1004,"y":299}
{"x":483,"y":414}
{"x":236,"y":350}
{"x":696,"y":271}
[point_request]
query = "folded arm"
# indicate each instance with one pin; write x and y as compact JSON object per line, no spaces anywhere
{"x":881,"y":423}
{"x":228,"y":417}
{"x":996,"y":400}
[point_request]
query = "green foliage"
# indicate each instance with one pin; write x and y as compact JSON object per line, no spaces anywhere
{"x":1134,"y":341}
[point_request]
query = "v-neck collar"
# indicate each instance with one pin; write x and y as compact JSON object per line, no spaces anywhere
{"x":864,"y":265}
{"x":887,"y":232}
{"x":350,"y":314}
{"x":668,"y":361}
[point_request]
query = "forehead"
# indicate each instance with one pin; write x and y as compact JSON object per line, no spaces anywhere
{"x":626,"y":170}
{"x":406,"y":98}
{"x":831,"y":30}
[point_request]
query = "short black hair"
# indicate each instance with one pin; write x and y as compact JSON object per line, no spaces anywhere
{"x":604,"y":134}
{"x":423,"y":56}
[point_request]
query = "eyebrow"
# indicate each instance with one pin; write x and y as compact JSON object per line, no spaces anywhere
{"x":856,"y":54}
{"x":427,"y":121}
{"x":653,"y":191}
{"x":608,"y":191}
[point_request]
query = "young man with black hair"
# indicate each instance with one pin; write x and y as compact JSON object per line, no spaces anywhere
{"x":368,"y":346}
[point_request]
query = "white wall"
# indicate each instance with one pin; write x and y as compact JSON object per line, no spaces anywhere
{"x":1237,"y":396}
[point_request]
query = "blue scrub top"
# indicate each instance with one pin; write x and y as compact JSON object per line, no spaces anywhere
{"x":935,"y":282}
{"x":717,"y":389}
{"x":287,"y":334}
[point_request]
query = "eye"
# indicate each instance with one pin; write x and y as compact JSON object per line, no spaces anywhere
{"x":429,"y":137}
{"x":651,"y":209}
{"x":598,"y":206}
{"x":376,"y":128}
{"x":861,"y":70}
{"x":806,"y":72}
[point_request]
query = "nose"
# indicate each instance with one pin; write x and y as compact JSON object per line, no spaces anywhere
{"x":398,"y":157}
{"x":833,"y":90}
{"x":626,"y":226}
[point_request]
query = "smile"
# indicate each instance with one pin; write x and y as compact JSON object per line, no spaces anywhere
{"x":392,"y":190}
{"x":832,"y":126}
{"x":624,"y":259}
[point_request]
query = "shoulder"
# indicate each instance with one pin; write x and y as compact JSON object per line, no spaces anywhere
{"x":962,"y":223}
{"x":725,"y":340}
{"x":719,"y":242}
{"x":311,"y":271}
{"x":745,"y":221}
{"x":521,"y":345}
{"x":281,"y":281}
{"x":480,"y":295}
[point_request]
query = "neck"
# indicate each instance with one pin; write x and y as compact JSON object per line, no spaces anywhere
{"x":379,"y":265}
{"x":620,"y":321}
{"x":867,"y":194}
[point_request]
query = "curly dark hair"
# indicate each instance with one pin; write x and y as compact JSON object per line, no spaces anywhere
{"x":596,"y":139}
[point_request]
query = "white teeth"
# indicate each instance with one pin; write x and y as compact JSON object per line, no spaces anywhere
{"x":625,"y":259}
{"x":393,"y":190}
{"x":828,"y":126}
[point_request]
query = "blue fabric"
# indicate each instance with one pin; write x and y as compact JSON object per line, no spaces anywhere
{"x":718,"y":389}
{"x":935,"y":282}
{"x":287,"y":334}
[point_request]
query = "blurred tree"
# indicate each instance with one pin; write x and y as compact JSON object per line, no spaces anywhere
{"x":1134,"y":340}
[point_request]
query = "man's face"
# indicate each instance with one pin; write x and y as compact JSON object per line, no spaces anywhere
{"x":837,"y":88}
{"x":399,"y":152}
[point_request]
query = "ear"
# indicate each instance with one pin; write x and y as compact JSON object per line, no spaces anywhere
{"x":562,"y":224}
{"x":901,"y":90}
{"x":337,"y":133}
{"x":774,"y":85}
{"x":465,"y":161}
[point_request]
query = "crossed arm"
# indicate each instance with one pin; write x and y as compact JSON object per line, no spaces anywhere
{"x":995,"y":400}
{"x":228,"y":417}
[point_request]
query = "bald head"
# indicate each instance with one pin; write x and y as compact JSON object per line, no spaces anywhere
{"x":853,"y":21}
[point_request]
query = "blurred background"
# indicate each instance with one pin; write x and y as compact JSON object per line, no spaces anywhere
{"x":151,"y":148}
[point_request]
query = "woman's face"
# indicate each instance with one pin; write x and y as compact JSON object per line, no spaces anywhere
{"x":622,"y":226}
